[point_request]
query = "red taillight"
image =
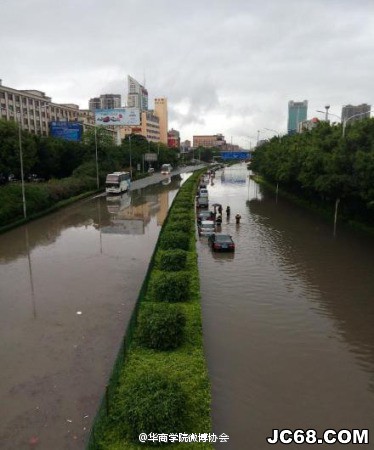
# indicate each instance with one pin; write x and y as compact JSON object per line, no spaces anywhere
{"x":216,"y":245}
{"x":231,"y":245}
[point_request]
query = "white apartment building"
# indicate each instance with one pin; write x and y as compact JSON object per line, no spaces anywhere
{"x":34,"y":110}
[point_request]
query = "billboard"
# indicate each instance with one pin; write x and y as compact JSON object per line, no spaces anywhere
{"x":235,"y":155}
{"x":150,"y":157}
{"x":118,"y":116}
{"x":70,"y":131}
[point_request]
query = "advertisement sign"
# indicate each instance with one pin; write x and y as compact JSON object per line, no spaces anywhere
{"x":118,"y":116}
{"x":70,"y":131}
{"x":234,"y":155}
{"x":150,"y":157}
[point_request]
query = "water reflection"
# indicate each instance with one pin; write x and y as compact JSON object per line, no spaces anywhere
{"x":340,"y":269}
{"x":295,"y":318}
{"x":90,"y":257}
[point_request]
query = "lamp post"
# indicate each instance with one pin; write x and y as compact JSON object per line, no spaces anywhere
{"x":275,"y":131}
{"x":21,"y":160}
{"x":22,"y":177}
{"x":258,"y":137}
{"x":351,"y":117}
{"x":97,"y":163}
{"x":344,"y":122}
{"x":130,"y":156}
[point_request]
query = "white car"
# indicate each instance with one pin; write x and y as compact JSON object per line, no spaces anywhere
{"x":206,"y":228}
{"x":203,"y":192}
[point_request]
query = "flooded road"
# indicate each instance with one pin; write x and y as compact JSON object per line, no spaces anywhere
{"x":68,"y":284}
{"x":288,"y":320}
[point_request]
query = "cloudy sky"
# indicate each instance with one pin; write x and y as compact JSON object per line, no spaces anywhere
{"x":225,"y":66}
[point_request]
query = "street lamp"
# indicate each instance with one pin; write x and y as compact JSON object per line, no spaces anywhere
{"x":130,"y":156}
{"x":258,"y":136}
{"x":275,"y":131}
{"x":351,"y":117}
{"x":344,"y":122}
{"x":97,"y":163}
{"x":21,"y":161}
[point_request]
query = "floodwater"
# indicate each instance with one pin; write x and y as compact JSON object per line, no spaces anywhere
{"x":288,"y":320}
{"x":68,"y":284}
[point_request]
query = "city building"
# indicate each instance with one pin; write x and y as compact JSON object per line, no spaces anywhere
{"x":105,"y":101}
{"x":34,"y":110}
{"x":307,"y":125}
{"x":362,"y":112}
{"x":185,"y":146}
{"x":297,"y":112}
{"x":161,"y":111}
{"x":150,"y":126}
{"x":174,"y":139}
{"x":137,"y":96}
{"x":209,"y":141}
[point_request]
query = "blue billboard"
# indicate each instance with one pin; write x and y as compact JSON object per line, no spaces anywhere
{"x":235,"y":155}
{"x":70,"y":131}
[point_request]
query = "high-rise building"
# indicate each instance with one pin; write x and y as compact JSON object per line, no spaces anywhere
{"x":161,"y":111}
{"x":137,"y":96}
{"x":174,"y":139}
{"x":362,"y":112}
{"x":297,"y":113}
{"x":105,"y":101}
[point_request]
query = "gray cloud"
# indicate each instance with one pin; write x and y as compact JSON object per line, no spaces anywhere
{"x":225,"y":66}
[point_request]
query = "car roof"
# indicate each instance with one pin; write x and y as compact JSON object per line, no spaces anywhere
{"x":223,"y":237}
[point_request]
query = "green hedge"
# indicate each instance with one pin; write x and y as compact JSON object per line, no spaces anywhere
{"x":173,"y":259}
{"x":39,"y":196}
{"x":174,"y":239}
{"x":161,"y":326}
{"x":170,"y":287}
{"x":161,"y":384}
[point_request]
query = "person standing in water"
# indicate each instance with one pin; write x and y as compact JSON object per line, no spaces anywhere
{"x":237,"y":218}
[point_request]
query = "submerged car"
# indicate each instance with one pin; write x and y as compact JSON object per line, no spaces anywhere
{"x":221,"y":243}
{"x":204,"y":215}
{"x":203,"y":192}
{"x":206,"y":228}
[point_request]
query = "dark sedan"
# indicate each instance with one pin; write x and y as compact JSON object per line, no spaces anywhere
{"x":221,"y":243}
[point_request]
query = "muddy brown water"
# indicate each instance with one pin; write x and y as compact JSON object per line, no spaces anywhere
{"x":68,"y":284}
{"x":288,"y":320}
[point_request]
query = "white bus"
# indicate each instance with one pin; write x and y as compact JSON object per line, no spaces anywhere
{"x":117,"y":182}
{"x":166,"y":169}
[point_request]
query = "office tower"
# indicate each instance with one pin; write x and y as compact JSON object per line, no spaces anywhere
{"x":105,"y":101}
{"x":297,"y":113}
{"x":362,"y":112}
{"x":137,"y":95}
{"x":161,"y":111}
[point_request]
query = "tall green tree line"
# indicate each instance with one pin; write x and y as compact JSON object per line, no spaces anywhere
{"x":56,"y":158}
{"x":324,"y":166}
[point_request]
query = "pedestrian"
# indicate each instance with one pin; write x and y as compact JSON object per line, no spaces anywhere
{"x":219,"y":209}
{"x":228,"y":211}
{"x":237,"y":218}
{"x":219,"y":220}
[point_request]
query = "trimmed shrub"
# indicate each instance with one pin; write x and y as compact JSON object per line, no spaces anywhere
{"x":153,"y":403}
{"x":170,"y":286}
{"x":180,"y":215}
{"x":174,"y":239}
{"x":173,"y":260}
{"x":179,"y":225}
{"x":160,"y":326}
